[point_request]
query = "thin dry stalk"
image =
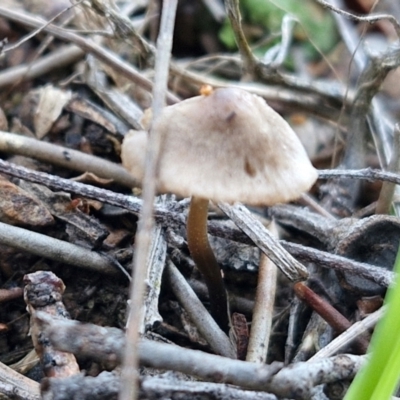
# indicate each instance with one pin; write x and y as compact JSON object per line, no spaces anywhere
{"x":233,"y":11}
{"x":64,"y":157}
{"x":242,"y":217}
{"x":370,"y":19}
{"x":364,"y":174}
{"x":263,"y":307}
{"x":154,"y":267}
{"x":54,"y":249}
{"x":64,"y":56}
{"x":348,"y":336}
{"x":129,"y":373}
{"x":205,"y":324}
{"x":325,"y":310}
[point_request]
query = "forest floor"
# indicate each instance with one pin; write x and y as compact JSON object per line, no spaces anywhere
{"x":76,"y":226}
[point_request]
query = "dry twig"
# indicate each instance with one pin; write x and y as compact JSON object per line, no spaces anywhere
{"x":64,"y":157}
{"x":295,"y":381}
{"x":55,"y":249}
{"x":143,"y":236}
{"x":263,"y":307}
{"x":205,"y":324}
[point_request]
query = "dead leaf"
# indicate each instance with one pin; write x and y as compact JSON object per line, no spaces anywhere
{"x":18,"y":207}
{"x":51,"y":104}
{"x":91,"y":112}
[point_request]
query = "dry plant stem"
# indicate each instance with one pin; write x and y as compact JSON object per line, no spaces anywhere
{"x":64,"y":157}
{"x":205,"y":324}
{"x":205,"y":260}
{"x":108,"y":344}
{"x":158,"y":388}
{"x":15,"y":384}
{"x":99,"y":52}
{"x":333,"y":317}
{"x":376,"y":274}
{"x":314,"y":205}
{"x":233,"y":11}
{"x":368,"y":174}
{"x":129,"y":372}
{"x":151,"y":387}
{"x":278,"y":58}
{"x":291,"y":344}
{"x":350,"y":36}
{"x":263,"y":308}
{"x":242,"y":217}
{"x":387,"y":191}
{"x":154,"y":267}
{"x":54,"y":249}
{"x":349,"y":335}
{"x":371,"y":19}
{"x":64,"y":56}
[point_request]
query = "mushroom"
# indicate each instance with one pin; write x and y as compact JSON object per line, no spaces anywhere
{"x":224,"y":146}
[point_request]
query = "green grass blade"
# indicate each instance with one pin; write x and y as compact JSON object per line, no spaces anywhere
{"x":384,"y":348}
{"x":389,"y":376}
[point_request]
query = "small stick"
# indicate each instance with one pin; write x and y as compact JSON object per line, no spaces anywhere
{"x":64,"y":56}
{"x":370,"y":19}
{"x":367,"y":174}
{"x":332,"y":316}
{"x":233,"y":11}
{"x":240,"y":333}
{"x":206,"y":325}
{"x":263,"y":308}
{"x":349,"y":335}
{"x":55,"y":249}
{"x":154,"y":266}
{"x":242,"y":217}
{"x":64,"y":157}
{"x":129,"y":374}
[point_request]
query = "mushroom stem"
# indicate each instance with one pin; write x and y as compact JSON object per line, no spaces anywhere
{"x":205,"y":260}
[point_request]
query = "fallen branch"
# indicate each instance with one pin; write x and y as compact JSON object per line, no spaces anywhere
{"x":108,"y":344}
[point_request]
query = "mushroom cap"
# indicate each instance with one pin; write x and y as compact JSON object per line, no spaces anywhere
{"x":227,"y":146}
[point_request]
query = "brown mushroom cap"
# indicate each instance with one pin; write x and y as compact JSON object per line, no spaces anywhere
{"x":227,"y":146}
